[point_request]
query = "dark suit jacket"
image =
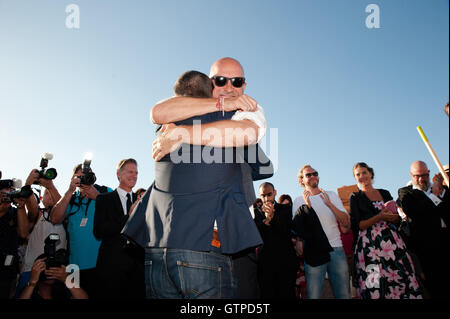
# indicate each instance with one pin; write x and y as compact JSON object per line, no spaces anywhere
{"x":186,"y":199}
{"x":278,"y":249}
{"x":425,"y":218}
{"x":317,"y":248}
{"x":109,"y":220}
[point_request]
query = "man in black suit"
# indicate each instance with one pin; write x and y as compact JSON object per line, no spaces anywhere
{"x":426,"y":205}
{"x":120,"y":264}
{"x":277,"y":261}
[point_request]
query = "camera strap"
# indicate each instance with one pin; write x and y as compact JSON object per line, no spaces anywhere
{"x":100,"y":189}
{"x":79,"y":204}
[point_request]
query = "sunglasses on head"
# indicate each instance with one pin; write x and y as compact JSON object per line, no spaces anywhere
{"x":220,"y":81}
{"x":312,"y":174}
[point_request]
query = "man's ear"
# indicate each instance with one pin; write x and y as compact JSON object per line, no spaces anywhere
{"x":274,"y":193}
{"x":118,"y":175}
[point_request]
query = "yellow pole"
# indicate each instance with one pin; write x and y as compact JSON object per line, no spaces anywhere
{"x":433,"y":154}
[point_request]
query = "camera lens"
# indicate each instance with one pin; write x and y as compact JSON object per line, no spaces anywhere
{"x":50,"y":173}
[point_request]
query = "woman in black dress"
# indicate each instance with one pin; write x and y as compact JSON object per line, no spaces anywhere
{"x":383,"y":266}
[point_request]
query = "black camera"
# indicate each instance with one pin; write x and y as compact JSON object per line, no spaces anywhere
{"x":10,"y":183}
{"x":47,"y":173}
{"x":88,"y":176}
{"x":20,"y":192}
{"x":53,"y":260}
{"x":24,"y":192}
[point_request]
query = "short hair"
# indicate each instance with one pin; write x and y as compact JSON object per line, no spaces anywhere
{"x":283,"y":197}
{"x":124,"y":162}
{"x":256,"y":202}
{"x":364,"y":165}
{"x":193,"y":84}
{"x":265,"y":184}
{"x":77,"y":168}
{"x":140,"y":190}
{"x":300,"y":174}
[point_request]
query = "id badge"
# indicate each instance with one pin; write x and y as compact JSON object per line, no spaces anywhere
{"x":9,"y":260}
{"x":83,"y":222}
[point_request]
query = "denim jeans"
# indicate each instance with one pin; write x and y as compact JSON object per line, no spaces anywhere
{"x":338,"y":274}
{"x":187,"y":274}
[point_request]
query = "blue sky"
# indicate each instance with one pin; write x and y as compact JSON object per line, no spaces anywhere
{"x":336,"y":91}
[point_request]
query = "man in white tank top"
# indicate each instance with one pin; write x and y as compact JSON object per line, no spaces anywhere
{"x":318,"y":216}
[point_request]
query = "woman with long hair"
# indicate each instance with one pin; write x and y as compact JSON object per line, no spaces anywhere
{"x":383,"y":266}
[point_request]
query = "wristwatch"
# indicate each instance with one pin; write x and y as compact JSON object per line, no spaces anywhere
{"x":32,"y":283}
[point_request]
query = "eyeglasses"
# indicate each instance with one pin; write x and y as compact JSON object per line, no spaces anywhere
{"x":312,"y":174}
{"x":422,"y":176}
{"x":220,"y":81}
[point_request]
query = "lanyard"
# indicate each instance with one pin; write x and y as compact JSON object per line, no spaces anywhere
{"x":80,"y":202}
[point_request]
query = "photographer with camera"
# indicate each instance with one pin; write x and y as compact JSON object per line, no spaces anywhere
{"x":41,"y":230}
{"x":49,"y":281}
{"x":78,"y":206}
{"x":43,"y":177}
{"x":14,"y":224}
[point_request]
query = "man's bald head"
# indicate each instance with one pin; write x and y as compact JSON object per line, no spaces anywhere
{"x":418,"y":165}
{"x":420,"y":175}
{"x":226,"y":65}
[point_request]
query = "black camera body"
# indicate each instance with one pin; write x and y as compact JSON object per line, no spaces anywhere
{"x":53,"y":257}
{"x":6,"y":183}
{"x":20,"y":192}
{"x":47,"y":173}
{"x":24,"y":192}
{"x":50,"y":251}
{"x":87,"y":177}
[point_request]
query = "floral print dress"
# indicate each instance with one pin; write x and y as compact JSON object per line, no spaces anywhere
{"x":384,"y":268}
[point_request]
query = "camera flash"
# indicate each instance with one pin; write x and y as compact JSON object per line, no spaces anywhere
{"x":47,"y":156}
{"x":17,"y":183}
{"x":88,"y":156}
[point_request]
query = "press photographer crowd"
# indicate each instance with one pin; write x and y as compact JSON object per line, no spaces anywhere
{"x":69,"y":245}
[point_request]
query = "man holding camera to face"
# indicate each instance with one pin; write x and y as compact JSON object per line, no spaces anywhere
{"x":78,"y":206}
{"x":41,"y":228}
{"x":14,"y":224}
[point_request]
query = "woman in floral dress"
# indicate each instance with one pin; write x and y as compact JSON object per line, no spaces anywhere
{"x":383,"y":266}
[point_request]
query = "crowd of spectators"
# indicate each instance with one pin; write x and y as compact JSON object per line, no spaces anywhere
{"x":399,"y":247}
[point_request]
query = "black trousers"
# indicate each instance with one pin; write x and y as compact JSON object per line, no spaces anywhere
{"x":245,"y":269}
{"x":276,"y":281}
{"x":436,"y":267}
{"x":89,"y":282}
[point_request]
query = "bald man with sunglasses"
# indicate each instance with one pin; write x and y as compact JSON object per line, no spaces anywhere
{"x":249,"y":122}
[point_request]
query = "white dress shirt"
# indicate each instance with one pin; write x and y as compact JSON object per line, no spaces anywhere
{"x":123,"y":198}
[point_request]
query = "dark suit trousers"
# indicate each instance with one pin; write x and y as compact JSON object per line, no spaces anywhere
{"x":434,"y":260}
{"x":124,"y":280}
{"x":245,"y":269}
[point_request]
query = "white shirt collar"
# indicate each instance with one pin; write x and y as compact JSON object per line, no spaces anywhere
{"x":427,"y":191}
{"x":123,"y":193}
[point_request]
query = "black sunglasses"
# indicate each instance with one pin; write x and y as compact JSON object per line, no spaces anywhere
{"x":312,"y":174}
{"x":220,"y":81}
